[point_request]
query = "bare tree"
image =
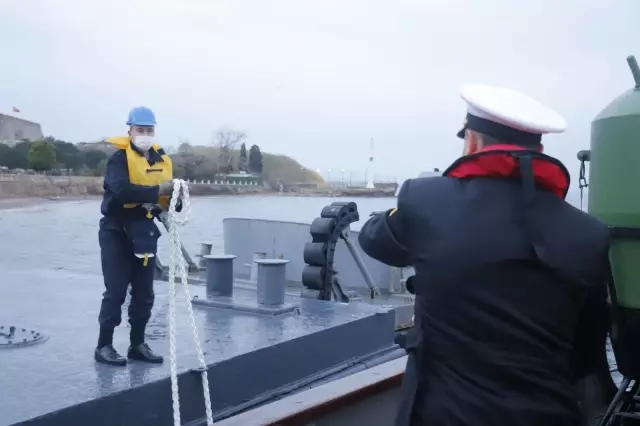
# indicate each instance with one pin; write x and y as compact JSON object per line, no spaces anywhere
{"x":184,"y":145}
{"x":226,"y":141}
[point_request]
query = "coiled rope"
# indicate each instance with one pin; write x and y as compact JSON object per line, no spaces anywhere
{"x":177,"y":264}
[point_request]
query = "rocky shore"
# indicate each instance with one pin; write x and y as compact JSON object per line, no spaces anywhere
{"x":69,"y":187}
{"x":19,"y":191}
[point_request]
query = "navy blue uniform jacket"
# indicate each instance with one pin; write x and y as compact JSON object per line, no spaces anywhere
{"x":510,"y":307}
{"x":118,"y":190}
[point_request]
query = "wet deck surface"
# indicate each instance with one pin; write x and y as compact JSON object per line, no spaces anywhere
{"x":64,"y":305}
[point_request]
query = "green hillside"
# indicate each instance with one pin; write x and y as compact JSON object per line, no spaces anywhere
{"x":202,"y":162}
{"x":286,"y":169}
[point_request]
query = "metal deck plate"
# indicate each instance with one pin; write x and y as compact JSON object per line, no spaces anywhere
{"x":402,"y":303}
{"x":250,"y":306}
{"x":12,"y":336}
{"x":248,"y":355}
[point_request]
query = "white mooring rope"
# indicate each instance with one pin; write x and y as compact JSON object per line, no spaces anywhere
{"x":177,"y":261}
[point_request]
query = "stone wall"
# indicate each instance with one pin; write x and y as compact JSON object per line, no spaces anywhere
{"x":25,"y":186}
{"x":14,"y":129}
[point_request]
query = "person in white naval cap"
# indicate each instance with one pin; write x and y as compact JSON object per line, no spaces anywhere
{"x":510,"y":308}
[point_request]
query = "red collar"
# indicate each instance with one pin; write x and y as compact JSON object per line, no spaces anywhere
{"x":498,"y":161}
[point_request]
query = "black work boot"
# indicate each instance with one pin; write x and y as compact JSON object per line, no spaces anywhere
{"x":108,"y":355}
{"x":142,"y":352}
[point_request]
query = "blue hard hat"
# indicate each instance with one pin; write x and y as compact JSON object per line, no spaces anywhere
{"x":141,"y":116}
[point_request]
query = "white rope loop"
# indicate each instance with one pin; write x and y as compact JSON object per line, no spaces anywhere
{"x":177,"y":264}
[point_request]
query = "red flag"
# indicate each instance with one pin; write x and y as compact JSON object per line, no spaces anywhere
{"x":15,"y":109}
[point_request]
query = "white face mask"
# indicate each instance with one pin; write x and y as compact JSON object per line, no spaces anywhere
{"x":143,"y":142}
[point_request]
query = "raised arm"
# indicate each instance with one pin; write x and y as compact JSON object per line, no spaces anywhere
{"x":384,"y":236}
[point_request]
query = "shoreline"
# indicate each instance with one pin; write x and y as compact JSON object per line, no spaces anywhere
{"x":19,"y":202}
{"x":11,"y":203}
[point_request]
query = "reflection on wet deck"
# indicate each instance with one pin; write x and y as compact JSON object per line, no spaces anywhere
{"x":61,"y":372}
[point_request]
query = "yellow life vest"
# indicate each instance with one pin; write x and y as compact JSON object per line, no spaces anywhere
{"x":140,"y":172}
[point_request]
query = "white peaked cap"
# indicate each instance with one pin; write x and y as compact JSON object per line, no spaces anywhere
{"x":512,"y":109}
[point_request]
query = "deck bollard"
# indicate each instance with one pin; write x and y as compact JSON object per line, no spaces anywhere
{"x":219,"y":274}
{"x":258,"y":255}
{"x":271,"y":281}
{"x":205,"y":249}
{"x":271,"y":286}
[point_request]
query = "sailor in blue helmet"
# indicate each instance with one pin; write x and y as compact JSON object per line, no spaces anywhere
{"x":137,"y":183}
{"x":510,"y":309}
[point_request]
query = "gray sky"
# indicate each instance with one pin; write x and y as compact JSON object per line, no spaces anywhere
{"x":312,"y":79}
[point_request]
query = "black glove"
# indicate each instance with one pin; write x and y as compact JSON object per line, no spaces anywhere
{"x":165,"y":193}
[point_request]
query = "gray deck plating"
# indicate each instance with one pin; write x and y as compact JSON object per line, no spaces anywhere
{"x":248,"y":355}
{"x":401,"y":303}
{"x":250,"y":307}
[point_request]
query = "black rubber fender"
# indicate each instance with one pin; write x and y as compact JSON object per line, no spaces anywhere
{"x":315,"y":253}
{"x":313,"y":277}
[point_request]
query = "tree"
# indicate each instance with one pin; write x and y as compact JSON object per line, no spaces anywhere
{"x":226,"y":140}
{"x":179,"y":172}
{"x":42,"y":156}
{"x":255,"y":159}
{"x":93,"y":157}
{"x":185,"y":146}
{"x":205,"y":170}
{"x":11,"y":158}
{"x":22,"y":150}
{"x":102,"y":168}
{"x":193,"y":165}
{"x":67,"y":154}
{"x":242,"y":163}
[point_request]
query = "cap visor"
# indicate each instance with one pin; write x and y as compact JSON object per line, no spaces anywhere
{"x":461,"y":133}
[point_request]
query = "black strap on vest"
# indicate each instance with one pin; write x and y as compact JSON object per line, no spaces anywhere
{"x":525,"y":160}
{"x":528,"y":180}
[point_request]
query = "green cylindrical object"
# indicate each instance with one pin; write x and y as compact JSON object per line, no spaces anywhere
{"x":614,"y":183}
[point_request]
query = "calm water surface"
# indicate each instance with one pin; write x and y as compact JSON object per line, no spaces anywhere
{"x":64,"y":235}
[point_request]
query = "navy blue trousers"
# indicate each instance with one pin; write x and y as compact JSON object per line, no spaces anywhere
{"x":121,"y":268}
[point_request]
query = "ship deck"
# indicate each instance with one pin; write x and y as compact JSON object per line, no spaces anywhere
{"x":251,"y":358}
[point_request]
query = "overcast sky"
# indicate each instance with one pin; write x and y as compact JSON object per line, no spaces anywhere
{"x":312,"y":79}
